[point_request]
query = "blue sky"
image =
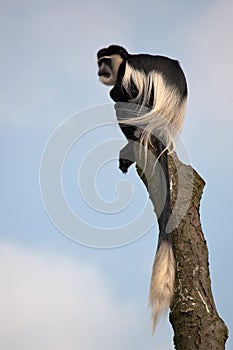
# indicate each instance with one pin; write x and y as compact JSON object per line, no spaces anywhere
{"x":60,"y":294}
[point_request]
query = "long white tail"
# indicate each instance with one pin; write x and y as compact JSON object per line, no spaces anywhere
{"x":162,"y":281}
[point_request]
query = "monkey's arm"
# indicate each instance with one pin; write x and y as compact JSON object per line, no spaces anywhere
{"x":126,"y":157}
{"x":124,"y":110}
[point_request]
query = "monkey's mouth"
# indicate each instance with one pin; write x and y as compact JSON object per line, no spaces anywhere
{"x":104,"y":74}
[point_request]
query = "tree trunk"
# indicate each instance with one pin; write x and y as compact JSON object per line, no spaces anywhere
{"x":193,"y":314}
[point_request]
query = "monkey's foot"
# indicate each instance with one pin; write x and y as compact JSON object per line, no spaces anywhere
{"x":126,"y":158}
{"x":124,"y":164}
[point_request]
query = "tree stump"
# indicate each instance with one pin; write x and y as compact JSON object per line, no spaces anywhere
{"x":193,"y":313}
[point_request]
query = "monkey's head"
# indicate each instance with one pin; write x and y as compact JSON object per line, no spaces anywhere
{"x":109,"y":61}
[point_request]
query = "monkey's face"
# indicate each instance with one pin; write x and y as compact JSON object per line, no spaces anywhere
{"x":108,"y":69}
{"x":105,"y":71}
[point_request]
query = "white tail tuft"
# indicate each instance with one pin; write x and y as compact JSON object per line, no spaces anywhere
{"x":162,"y":281}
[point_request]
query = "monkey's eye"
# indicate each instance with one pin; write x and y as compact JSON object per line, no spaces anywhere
{"x":104,"y":60}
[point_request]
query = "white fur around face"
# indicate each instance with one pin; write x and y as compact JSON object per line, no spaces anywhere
{"x":107,"y":80}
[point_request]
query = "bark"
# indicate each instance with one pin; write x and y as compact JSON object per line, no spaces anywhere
{"x":193,"y":313}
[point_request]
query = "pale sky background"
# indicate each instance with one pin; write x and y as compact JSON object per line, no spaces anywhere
{"x":55,"y":293}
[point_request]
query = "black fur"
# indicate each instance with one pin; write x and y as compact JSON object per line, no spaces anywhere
{"x":169,"y":68}
{"x":112,"y":50}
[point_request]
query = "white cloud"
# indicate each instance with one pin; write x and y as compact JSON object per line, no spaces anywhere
{"x":48,"y":301}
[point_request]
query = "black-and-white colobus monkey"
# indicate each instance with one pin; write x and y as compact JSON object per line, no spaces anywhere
{"x":158,"y":84}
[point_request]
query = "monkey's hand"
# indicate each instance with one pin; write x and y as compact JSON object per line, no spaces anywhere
{"x":126,"y":157}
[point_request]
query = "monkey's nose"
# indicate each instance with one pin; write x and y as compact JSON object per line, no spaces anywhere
{"x":102,"y":72}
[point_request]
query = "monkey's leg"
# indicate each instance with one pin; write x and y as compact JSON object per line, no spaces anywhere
{"x":127,"y":158}
{"x":165,"y":190}
{"x":124,"y":111}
